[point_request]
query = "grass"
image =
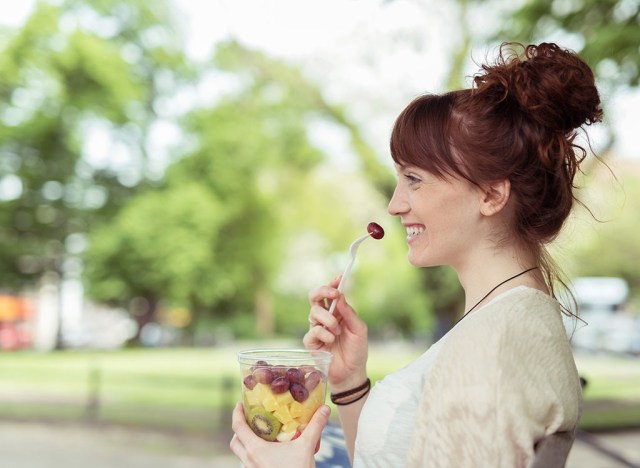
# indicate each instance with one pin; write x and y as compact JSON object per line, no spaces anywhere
{"x":612,"y":393}
{"x":193,"y":389}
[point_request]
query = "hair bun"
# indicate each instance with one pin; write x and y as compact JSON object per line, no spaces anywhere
{"x":553,"y":86}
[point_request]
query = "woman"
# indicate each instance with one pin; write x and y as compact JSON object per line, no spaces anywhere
{"x":485,"y":181}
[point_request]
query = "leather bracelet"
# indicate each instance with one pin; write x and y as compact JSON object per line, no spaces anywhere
{"x":367,"y":383}
{"x":364,"y":388}
{"x":344,"y":403}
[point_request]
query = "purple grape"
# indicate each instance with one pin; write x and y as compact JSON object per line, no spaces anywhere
{"x":279,"y":371}
{"x":375,"y":230}
{"x":249,"y":381}
{"x":307,"y":369}
{"x":294,"y":375}
{"x":263,"y":375}
{"x":299,"y":392}
{"x":313,"y":379}
{"x":280,"y":385}
{"x":259,"y":364}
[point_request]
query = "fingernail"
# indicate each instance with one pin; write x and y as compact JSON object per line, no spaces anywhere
{"x":326,"y":411}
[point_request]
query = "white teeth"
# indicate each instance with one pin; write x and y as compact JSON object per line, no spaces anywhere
{"x":414,"y":230}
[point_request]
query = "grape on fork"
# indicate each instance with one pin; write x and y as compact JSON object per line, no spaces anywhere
{"x":374,"y":230}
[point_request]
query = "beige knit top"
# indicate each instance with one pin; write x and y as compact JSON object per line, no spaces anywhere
{"x":504,"y":380}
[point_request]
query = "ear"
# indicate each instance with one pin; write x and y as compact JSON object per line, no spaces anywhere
{"x":495,"y":196}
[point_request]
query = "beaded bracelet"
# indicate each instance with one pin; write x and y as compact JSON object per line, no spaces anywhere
{"x":362,"y":389}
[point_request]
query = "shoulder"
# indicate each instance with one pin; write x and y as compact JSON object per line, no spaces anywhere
{"x":521,"y":316}
{"x":517,"y":340}
{"x":504,"y":378}
{"x":515,"y":350}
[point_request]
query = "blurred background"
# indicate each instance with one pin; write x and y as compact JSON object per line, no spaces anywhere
{"x":176,"y":175}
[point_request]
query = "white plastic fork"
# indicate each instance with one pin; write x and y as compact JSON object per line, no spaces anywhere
{"x":352,"y":251}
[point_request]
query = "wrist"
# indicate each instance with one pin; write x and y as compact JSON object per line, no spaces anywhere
{"x":351,"y":381}
{"x":352,"y":395}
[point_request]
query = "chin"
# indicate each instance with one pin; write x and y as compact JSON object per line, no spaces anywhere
{"x":419,"y":262}
{"x":423,"y":261}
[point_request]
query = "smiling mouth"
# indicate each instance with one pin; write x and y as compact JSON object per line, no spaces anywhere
{"x":413,"y":231}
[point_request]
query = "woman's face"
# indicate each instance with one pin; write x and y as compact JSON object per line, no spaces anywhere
{"x":441,"y":216}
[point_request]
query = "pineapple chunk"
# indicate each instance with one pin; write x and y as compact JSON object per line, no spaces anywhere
{"x":291,"y":426}
{"x":282,"y":413}
{"x":270,"y":403}
{"x":316,"y":397}
{"x":284,"y":399}
{"x":250,"y":398}
{"x":261,"y":391}
{"x":305,"y":417}
{"x":298,"y":409}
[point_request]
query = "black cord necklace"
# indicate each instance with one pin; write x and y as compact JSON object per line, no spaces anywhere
{"x":494,"y":288}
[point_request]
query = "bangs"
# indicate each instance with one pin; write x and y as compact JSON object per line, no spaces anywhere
{"x":422,"y":135}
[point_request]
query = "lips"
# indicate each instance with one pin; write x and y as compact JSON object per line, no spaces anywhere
{"x":414,"y":230}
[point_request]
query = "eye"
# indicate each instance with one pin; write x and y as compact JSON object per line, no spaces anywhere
{"x":412,"y":179}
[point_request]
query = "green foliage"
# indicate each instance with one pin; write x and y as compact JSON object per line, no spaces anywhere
{"x":68,"y":71}
{"x":608,"y":246}
{"x":223,"y":232}
{"x":215,"y":248}
{"x":608,"y":30}
{"x":215,"y":232}
{"x":162,"y":242}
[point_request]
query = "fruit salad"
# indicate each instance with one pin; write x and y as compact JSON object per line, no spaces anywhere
{"x":281,"y":394}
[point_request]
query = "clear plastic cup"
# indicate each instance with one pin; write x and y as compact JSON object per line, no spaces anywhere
{"x":282,"y":389}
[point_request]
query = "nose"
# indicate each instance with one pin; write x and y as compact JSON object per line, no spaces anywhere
{"x":398,"y":204}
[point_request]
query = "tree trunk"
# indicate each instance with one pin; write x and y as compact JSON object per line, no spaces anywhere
{"x":265,"y":319}
{"x":143,"y":310}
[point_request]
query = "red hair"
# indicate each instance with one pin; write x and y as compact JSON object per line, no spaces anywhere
{"x":517,"y":122}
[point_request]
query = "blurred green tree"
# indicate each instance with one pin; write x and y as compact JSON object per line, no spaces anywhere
{"x":217,"y":237}
{"x":210,"y":237}
{"x":77,"y":76}
{"x":608,"y":32}
{"x":406,"y":316}
{"x":609,"y":247}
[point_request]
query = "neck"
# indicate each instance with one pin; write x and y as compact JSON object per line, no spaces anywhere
{"x":487,"y":271}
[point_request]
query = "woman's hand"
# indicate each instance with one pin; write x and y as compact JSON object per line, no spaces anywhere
{"x":344,"y":334}
{"x":255,"y":452}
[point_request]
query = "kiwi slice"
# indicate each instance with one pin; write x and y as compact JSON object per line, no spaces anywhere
{"x":264,"y":424}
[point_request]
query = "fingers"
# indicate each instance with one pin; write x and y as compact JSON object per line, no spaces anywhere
{"x":318,"y":337}
{"x":237,"y":418}
{"x":320,"y":316}
{"x":253,"y":451}
{"x":317,"y":423}
{"x":349,"y":319}
{"x":238,"y":449}
{"x":236,"y":445}
{"x":313,"y":432}
{"x":319,"y":295}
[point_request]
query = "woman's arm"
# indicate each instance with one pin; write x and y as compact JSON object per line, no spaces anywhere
{"x":344,"y":334}
{"x":349,"y":415}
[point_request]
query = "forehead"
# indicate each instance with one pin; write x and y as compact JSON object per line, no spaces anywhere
{"x":403,"y":168}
